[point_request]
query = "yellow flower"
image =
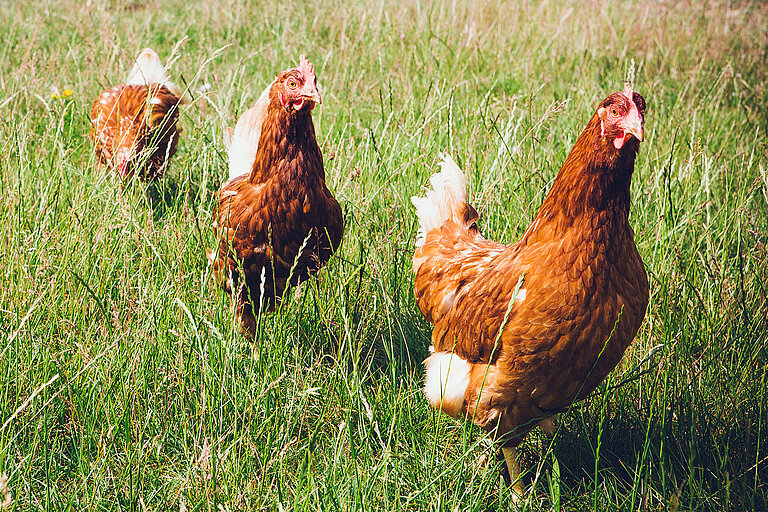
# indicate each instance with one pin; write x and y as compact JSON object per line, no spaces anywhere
{"x":66,"y":93}
{"x":54,"y":96}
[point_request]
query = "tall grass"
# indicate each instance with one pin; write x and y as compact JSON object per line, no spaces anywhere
{"x":125,"y":383}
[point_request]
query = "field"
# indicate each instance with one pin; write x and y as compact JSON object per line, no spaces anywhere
{"x":124,"y":381}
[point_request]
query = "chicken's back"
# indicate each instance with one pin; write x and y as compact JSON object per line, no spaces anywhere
{"x":137,"y":124}
{"x":450,"y":251}
{"x":447,"y":264}
{"x":243,"y":141}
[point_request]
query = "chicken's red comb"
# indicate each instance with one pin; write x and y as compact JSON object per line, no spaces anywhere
{"x":628,"y":91}
{"x":305,"y":67}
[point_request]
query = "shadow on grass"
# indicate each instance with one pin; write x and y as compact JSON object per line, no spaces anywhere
{"x":170,"y":192}
{"x":162,"y":195}
{"x":696,"y":462}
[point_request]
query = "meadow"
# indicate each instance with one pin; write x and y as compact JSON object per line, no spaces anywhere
{"x":125,"y":383}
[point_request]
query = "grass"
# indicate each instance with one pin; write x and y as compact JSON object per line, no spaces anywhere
{"x":124,"y":383}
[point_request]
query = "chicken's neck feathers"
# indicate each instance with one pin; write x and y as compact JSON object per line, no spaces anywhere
{"x":287,"y":149}
{"x":594,"y":181}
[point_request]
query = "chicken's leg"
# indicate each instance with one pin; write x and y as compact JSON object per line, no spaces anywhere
{"x":513,"y":466}
{"x":244,"y":313}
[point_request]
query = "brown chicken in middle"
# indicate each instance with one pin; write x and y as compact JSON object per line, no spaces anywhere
{"x":279,"y":222}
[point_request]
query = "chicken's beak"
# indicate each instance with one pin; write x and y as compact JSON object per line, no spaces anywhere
{"x":310,"y":93}
{"x":634,"y":125}
{"x":315,"y":96}
{"x":636,"y":130}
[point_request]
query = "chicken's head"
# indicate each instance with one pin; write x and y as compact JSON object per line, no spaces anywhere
{"x":297,"y":87}
{"x":123,"y":161}
{"x":130,"y":154}
{"x":622,"y":115}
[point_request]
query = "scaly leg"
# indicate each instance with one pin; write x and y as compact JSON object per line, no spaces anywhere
{"x":513,"y":466}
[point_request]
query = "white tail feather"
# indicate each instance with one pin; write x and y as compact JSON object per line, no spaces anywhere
{"x":447,"y":378}
{"x":244,"y":139}
{"x":148,"y":69}
{"x":444,"y":202}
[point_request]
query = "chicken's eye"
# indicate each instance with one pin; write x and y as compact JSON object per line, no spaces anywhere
{"x":614,"y":112}
{"x":292,"y":83}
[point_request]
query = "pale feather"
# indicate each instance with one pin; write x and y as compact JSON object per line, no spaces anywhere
{"x":444,"y":201}
{"x":244,"y":139}
{"x":148,"y":69}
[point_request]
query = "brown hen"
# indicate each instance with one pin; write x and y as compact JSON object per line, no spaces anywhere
{"x":279,"y":221}
{"x":133,"y":125}
{"x":524,"y":330}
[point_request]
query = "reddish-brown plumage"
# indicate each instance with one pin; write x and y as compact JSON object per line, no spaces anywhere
{"x":133,"y":128}
{"x":584,"y":289}
{"x":267,"y":215}
{"x":134,"y":125}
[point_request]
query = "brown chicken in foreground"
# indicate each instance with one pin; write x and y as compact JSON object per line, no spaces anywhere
{"x":133,"y":125}
{"x":279,"y":222}
{"x":524,"y":330}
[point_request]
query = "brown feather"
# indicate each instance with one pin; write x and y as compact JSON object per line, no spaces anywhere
{"x":268,"y":215}
{"x":585,"y":293}
{"x":134,"y":128}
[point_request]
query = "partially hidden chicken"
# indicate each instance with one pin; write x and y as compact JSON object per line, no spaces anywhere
{"x":134,"y":125}
{"x":525,"y":330}
{"x":279,"y":222}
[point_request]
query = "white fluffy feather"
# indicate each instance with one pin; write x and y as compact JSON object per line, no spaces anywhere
{"x":444,"y":201}
{"x":447,"y":378}
{"x":148,"y":69}
{"x":244,"y":139}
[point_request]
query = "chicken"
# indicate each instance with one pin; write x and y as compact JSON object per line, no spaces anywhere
{"x":522,"y":331}
{"x":279,"y":221}
{"x":134,"y":125}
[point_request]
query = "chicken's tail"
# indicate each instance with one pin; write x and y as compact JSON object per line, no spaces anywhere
{"x":148,"y":69}
{"x":447,"y":200}
{"x":243,"y":141}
